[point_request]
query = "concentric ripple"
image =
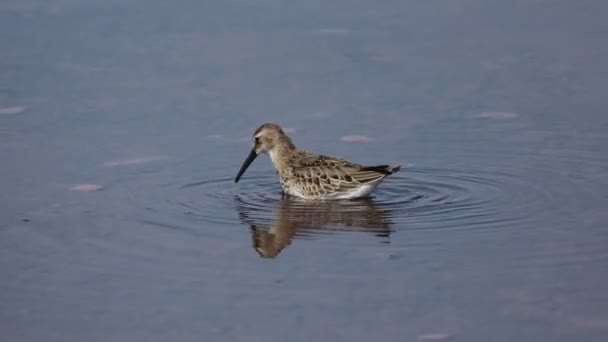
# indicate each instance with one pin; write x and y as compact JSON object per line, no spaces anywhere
{"x":418,"y":198}
{"x":441,"y":198}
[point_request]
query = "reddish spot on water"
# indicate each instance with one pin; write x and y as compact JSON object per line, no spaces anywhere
{"x":134,"y":161}
{"x":497,"y":115}
{"x":86,"y":187}
{"x":591,"y":322}
{"x":11,"y":110}
{"x":355,"y":138}
{"x":331,"y":31}
{"x":215,"y":137}
{"x":434,"y":337}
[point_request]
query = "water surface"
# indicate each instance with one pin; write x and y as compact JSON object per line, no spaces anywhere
{"x":123,"y":123}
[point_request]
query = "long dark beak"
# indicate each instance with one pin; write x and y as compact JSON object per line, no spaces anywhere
{"x":246,"y":164}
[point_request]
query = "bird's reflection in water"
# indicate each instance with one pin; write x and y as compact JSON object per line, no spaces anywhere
{"x":272,"y":230}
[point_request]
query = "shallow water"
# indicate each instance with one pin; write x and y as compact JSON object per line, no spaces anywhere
{"x":123,"y":124}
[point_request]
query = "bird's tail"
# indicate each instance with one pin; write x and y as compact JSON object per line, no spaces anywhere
{"x":394,"y":169}
{"x":384,"y":169}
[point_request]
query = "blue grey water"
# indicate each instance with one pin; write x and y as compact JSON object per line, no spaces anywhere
{"x":496,"y":229}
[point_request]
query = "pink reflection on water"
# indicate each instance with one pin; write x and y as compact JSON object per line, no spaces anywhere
{"x":355,"y":138}
{"x":591,"y":322}
{"x":434,"y":337}
{"x":11,"y":110}
{"x":134,"y":161}
{"x":86,"y":187}
{"x":497,"y":115}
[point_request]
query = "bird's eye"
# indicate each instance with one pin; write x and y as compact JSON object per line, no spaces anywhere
{"x":257,"y":140}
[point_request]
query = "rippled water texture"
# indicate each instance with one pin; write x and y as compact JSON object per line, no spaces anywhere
{"x":415,"y":199}
{"x":124,"y":123}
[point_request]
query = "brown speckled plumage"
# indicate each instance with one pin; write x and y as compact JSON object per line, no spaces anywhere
{"x":308,"y":175}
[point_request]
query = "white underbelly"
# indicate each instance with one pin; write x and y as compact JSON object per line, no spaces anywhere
{"x":359,"y":192}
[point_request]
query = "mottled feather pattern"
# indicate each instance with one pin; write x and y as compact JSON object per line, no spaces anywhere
{"x":320,"y":174}
{"x":313,"y":176}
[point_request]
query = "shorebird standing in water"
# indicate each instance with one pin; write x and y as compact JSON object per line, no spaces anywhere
{"x":312,"y":176}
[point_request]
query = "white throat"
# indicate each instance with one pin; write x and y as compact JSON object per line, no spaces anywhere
{"x":273,"y":156}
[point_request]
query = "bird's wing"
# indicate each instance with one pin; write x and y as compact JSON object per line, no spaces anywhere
{"x":336,"y":174}
{"x":339,"y":178}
